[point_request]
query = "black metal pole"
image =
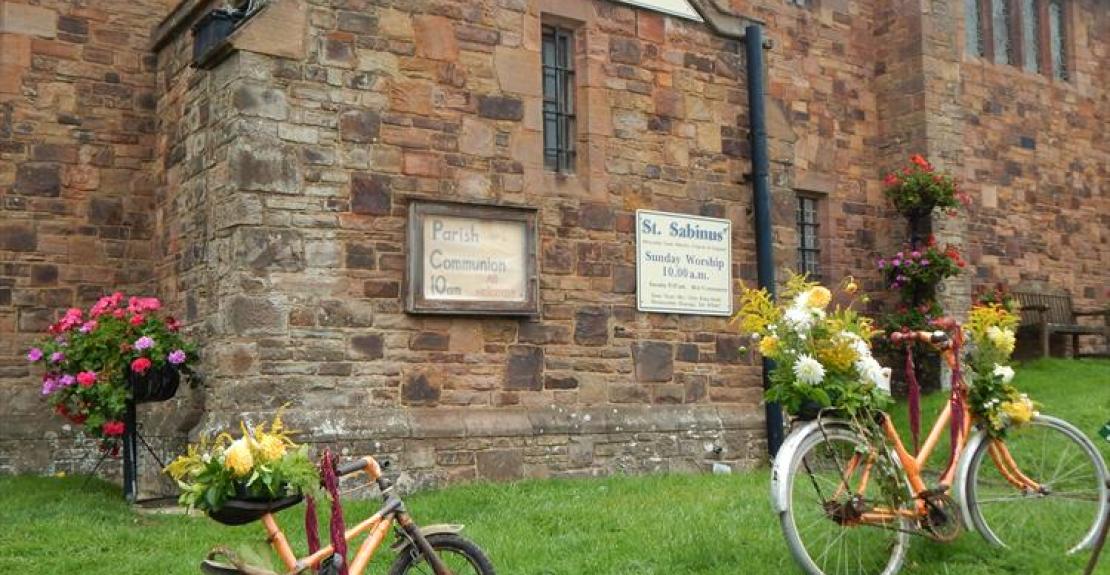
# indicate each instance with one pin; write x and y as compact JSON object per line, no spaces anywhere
{"x":764,"y":242}
{"x":130,"y":454}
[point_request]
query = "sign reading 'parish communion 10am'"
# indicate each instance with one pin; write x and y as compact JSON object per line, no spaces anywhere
{"x":684,"y":264}
{"x":472,"y":259}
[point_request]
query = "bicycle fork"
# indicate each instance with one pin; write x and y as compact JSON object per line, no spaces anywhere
{"x":417,"y":537}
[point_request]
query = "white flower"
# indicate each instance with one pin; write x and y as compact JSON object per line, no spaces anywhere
{"x":809,"y":370}
{"x":802,"y":318}
{"x":870,"y":371}
{"x":1005,"y":372}
{"x":858,"y":345}
{"x":1003,"y":339}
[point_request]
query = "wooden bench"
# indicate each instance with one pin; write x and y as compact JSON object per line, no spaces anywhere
{"x":1052,"y":313}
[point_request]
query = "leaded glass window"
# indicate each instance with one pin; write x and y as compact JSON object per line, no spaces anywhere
{"x":1056,"y":32}
{"x":973,"y":28}
{"x":558,"y":99}
{"x":1000,"y":28}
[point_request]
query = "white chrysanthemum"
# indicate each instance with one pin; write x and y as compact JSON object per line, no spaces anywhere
{"x":858,"y":345}
{"x":871,"y":371}
{"x":809,"y":370}
{"x":1005,"y":372}
{"x":802,"y":318}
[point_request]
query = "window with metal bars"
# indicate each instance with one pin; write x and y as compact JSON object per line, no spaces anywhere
{"x":1000,"y":30}
{"x":973,"y":28}
{"x":558,"y":99}
{"x":1030,"y":35}
{"x":809,"y":245}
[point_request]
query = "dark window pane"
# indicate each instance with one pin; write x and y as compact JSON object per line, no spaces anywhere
{"x":1000,"y":25}
{"x":558,"y":92}
{"x":973,"y":28}
{"x":809,"y":247}
{"x":1030,"y":32}
{"x":1057,"y":31}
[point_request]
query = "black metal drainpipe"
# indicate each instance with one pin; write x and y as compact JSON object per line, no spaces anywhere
{"x":761,"y":189}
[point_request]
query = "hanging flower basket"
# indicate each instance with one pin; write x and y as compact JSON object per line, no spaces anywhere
{"x":157,"y":384}
{"x":242,"y":511}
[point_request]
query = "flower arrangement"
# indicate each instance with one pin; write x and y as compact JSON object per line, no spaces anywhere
{"x":998,"y":294}
{"x":89,"y":355}
{"x":913,"y":270}
{"x":994,"y":400}
{"x":262,"y":464}
{"x":823,"y":357}
{"x":918,"y":188}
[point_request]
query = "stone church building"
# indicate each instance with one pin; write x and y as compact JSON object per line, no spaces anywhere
{"x":267,"y":190}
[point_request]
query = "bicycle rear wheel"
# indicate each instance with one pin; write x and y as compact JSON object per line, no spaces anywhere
{"x":460,"y":555}
{"x":818,"y":523}
{"x":1065,"y":515}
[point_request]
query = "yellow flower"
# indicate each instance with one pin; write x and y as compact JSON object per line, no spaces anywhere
{"x":1020,"y":411}
{"x":851,"y":287}
{"x":270,"y":447}
{"x":818,"y":297}
{"x":769,"y":346}
{"x":1003,"y":339}
{"x":837,"y":354}
{"x":238,"y":458}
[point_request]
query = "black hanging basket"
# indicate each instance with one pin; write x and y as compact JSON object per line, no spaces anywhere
{"x":157,"y":384}
{"x":243,"y":511}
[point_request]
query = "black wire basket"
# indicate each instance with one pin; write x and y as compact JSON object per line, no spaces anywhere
{"x":243,"y":511}
{"x":157,"y":384}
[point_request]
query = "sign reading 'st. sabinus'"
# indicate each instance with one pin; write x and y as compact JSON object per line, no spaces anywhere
{"x":683,"y":264}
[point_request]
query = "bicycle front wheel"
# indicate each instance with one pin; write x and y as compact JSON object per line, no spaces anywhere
{"x":1067,"y":510}
{"x":829,"y":523}
{"x":460,"y":555}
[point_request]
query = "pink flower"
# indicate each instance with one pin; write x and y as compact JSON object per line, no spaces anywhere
{"x":57,"y":357}
{"x":176,"y":357}
{"x":86,"y":378}
{"x":882,"y":264}
{"x":896,"y":262}
{"x":172,"y":324}
{"x":144,"y":342}
{"x":915,"y":255}
{"x":137,"y":320}
{"x":140,"y":365}
{"x":88,"y":326}
{"x":49,"y":384}
{"x":34,"y":354}
{"x":67,"y":380}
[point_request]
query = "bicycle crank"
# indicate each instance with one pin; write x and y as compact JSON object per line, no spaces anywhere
{"x":941,"y":520}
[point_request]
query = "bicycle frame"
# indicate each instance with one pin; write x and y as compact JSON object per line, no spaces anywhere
{"x":913,"y":465}
{"x":376,"y":527}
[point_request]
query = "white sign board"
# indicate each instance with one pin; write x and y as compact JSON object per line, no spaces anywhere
{"x":683,"y":264}
{"x":471,"y":259}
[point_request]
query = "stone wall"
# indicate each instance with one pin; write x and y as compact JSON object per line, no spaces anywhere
{"x":77,"y":135}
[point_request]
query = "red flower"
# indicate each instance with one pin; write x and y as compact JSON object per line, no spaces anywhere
{"x":61,"y":410}
{"x":78,"y":418}
{"x":86,"y":378}
{"x":891,"y":179}
{"x":137,"y":319}
{"x":112,"y":428}
{"x":921,"y":162}
{"x":172,"y":324}
{"x":140,"y":365}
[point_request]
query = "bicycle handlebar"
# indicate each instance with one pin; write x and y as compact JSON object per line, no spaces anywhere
{"x":938,"y":337}
{"x":350,"y":467}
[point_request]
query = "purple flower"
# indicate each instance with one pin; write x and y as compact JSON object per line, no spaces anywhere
{"x":882,"y":264}
{"x":34,"y":354}
{"x":57,"y":357}
{"x":924,"y":262}
{"x":915,"y":255}
{"x":49,"y":384}
{"x":899,"y":254}
{"x":896,"y":263}
{"x":144,"y":343}
{"x":176,"y":357}
{"x":67,"y":380}
{"x":894,"y":285}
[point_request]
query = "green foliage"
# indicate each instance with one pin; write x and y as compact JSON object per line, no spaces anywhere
{"x":918,"y":188}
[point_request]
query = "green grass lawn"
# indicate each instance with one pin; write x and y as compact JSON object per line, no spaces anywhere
{"x":619,"y":525}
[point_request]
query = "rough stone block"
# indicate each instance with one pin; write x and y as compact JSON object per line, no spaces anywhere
{"x":18,"y":237}
{"x":247,"y":315}
{"x":263,"y":249}
{"x":654,"y":360}
{"x":435,"y":38}
{"x":420,"y":390}
{"x":524,"y":371}
{"x":261,"y":101}
{"x":500,"y":464}
{"x":371,"y":194}
{"x":362,"y":126}
{"x":38,"y":179}
{"x":591,"y":325}
{"x":543,"y":333}
{"x":266,"y":168}
{"x":500,"y":107}
{"x":29,"y":20}
{"x":429,"y":341}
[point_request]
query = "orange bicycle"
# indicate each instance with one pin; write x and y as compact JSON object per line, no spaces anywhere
{"x":848,"y":501}
{"x":433,"y":550}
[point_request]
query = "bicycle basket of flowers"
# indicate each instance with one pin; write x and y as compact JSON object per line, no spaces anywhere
{"x":994,"y":400}
{"x":122,"y":349}
{"x":821,"y":349}
{"x":238,"y":480}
